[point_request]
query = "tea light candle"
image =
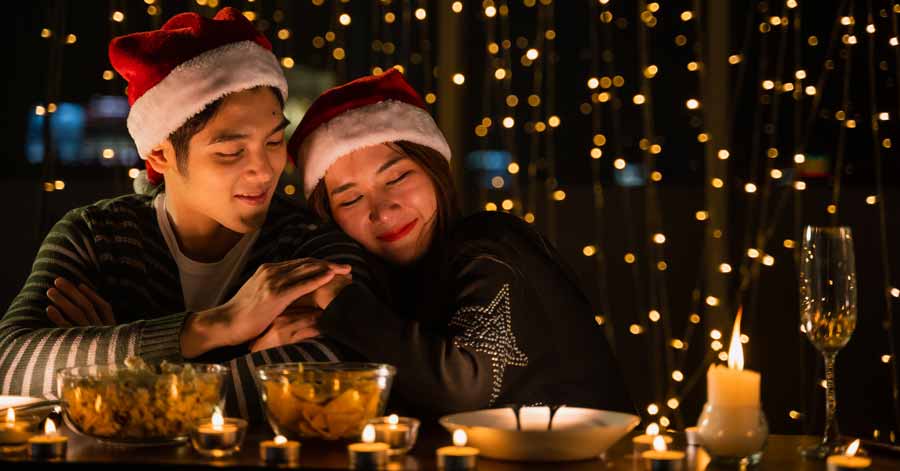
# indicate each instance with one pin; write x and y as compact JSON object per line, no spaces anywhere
{"x":220,"y":436}
{"x":692,"y":436}
{"x":645,"y":442}
{"x":662,"y":459}
{"x":368,"y":454}
{"x":849,"y":460}
{"x":280,"y":450}
{"x":458,"y":456}
{"x":15,"y":433}
{"x":50,"y":445}
{"x":398,"y":432}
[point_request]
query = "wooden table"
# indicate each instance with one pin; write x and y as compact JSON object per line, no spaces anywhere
{"x":781,"y":454}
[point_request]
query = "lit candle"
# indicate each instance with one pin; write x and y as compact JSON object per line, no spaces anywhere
{"x":398,"y":432}
{"x":848,"y":460}
{"x":458,"y":456}
{"x":692,"y":436}
{"x":279,"y":450}
{"x":220,"y":436}
{"x":368,"y":454}
{"x":660,"y":458}
{"x":15,"y":433}
{"x":50,"y":445}
{"x":645,"y":442}
{"x":735,"y":426}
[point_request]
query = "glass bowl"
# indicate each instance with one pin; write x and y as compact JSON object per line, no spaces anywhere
{"x":139,"y":404}
{"x":323,"y":400}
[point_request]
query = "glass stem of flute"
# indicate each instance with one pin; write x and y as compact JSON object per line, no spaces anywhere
{"x":831,"y":426}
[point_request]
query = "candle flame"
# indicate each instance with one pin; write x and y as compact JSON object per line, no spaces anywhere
{"x":393,"y":419}
{"x":735,"y":351}
{"x":368,"y":434}
{"x":217,"y":420}
{"x":659,"y":443}
{"x":652,"y":429}
{"x":851,"y":450}
{"x":459,"y":437}
{"x":279,"y":440}
{"x":10,"y":416}
{"x":49,"y":427}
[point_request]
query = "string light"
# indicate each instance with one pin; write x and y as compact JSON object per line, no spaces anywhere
{"x":725,"y":268}
{"x":717,"y":183}
{"x":639,"y":99}
{"x":529,"y":218}
{"x":507,"y":204}
{"x":490,"y":11}
{"x":509,"y":122}
{"x":652,"y":409}
{"x":677,"y":376}
{"x":716,"y":345}
{"x":775,"y":173}
{"x":712,"y":301}
{"x":701,"y":215}
{"x":653,"y":315}
{"x":133,"y":173}
{"x":619,"y":164}
{"x":559,"y":195}
{"x":287,"y":62}
{"x":490,"y":206}
{"x":750,"y":188}
{"x":421,"y":14}
{"x":799,"y":158}
{"x":635,"y":329}
{"x":629,"y":258}
{"x":459,"y":79}
{"x":692,"y":104}
{"x":532,"y":54}
{"x":788,"y":243}
{"x":768,"y":260}
{"x":589,"y":250}
{"x":345,"y":19}
{"x":799,"y":186}
{"x":686,"y":15}
{"x":723,"y":154}
{"x":659,"y":238}
{"x":118,"y":16}
{"x":810,"y":90}
{"x":885,"y":359}
{"x":457,"y":7}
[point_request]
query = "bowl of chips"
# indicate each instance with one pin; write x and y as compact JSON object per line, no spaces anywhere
{"x":140,"y":404}
{"x":323,"y":400}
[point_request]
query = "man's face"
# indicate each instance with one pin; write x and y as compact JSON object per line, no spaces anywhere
{"x":233,"y":164}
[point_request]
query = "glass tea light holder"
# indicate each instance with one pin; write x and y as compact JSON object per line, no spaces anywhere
{"x":48,"y":446}
{"x":398,"y":432}
{"x":219,"y":436}
{"x":732,"y":426}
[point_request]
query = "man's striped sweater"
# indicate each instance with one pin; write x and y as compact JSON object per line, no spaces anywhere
{"x":115,"y":246}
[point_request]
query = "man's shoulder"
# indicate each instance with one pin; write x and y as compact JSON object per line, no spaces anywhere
{"x":114,"y":212}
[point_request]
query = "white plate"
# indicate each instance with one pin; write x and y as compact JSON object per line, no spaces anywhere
{"x":577,"y":434}
{"x":16,"y":401}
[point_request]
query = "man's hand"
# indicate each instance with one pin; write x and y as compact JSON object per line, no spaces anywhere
{"x":292,"y":326}
{"x":322,"y":297}
{"x":263,"y":297}
{"x":77,"y":305}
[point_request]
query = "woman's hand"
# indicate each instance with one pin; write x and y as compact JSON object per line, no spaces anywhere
{"x":294,"y":325}
{"x":77,"y":305}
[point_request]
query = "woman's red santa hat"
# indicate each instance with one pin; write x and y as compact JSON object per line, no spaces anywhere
{"x":175,"y":72}
{"x":368,"y":111}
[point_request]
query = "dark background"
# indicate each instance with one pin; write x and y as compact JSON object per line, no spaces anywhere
{"x":791,"y":368}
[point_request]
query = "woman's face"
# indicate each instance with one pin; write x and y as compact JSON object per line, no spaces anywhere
{"x":385,"y":201}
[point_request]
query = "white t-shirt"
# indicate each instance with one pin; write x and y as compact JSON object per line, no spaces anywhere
{"x":203,"y":284}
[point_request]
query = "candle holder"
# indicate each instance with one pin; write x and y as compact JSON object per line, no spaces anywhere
{"x":733,"y":435}
{"x":218,"y":440}
{"x":15,"y":432}
{"x":280,"y":451}
{"x":398,"y":432}
{"x":48,"y":446}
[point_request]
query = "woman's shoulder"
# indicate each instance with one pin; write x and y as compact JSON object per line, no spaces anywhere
{"x":495,"y":232}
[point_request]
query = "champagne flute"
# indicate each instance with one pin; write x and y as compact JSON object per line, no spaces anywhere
{"x":827,"y":311}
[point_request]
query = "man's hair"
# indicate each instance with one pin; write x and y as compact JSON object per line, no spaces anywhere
{"x":181,"y":137}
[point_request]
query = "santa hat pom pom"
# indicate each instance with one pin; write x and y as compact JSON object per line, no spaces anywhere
{"x":142,"y":184}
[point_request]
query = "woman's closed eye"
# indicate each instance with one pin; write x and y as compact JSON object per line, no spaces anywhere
{"x":400,"y":178}
{"x":276,"y":143}
{"x":350,"y":202}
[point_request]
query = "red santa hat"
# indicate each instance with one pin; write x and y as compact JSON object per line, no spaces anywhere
{"x":368,"y":111}
{"x":175,"y":72}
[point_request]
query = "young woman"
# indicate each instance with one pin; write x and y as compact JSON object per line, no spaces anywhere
{"x":482,"y":310}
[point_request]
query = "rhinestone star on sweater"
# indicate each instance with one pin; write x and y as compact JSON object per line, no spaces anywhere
{"x":488,"y":330}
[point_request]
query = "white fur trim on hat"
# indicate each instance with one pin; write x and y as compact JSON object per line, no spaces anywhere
{"x":378,"y":123}
{"x":196,"y":83}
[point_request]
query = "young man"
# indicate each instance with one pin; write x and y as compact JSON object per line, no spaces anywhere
{"x":205,"y":266}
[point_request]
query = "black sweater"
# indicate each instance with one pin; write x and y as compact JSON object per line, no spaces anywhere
{"x":500,"y":320}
